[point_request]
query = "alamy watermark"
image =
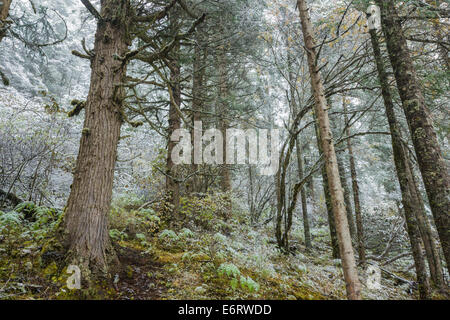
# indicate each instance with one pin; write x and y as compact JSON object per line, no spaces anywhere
{"x":74,"y":281}
{"x":258,"y":147}
{"x":374,"y":17}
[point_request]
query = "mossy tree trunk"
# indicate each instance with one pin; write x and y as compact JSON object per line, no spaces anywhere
{"x":88,"y":205}
{"x":404,"y":174}
{"x":429,"y":156}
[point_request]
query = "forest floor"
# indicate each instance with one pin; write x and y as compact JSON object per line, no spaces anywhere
{"x":222,"y":259}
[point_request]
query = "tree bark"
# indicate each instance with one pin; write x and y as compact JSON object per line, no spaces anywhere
{"x":197,"y":99}
{"x":89,"y":201}
{"x":306,"y":228}
{"x":405,"y":177}
{"x":348,"y":203}
{"x":294,"y":110}
{"x":172,"y":183}
{"x":353,"y":285}
{"x":355,"y":187}
{"x":328,"y":202}
{"x":429,"y":156}
{"x":223,"y":122}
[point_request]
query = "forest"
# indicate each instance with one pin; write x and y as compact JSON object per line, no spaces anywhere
{"x":224,"y":150}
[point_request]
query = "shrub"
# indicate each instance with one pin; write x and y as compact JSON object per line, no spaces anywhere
{"x":168,"y":234}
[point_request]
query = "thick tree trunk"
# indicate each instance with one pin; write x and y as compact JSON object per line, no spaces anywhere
{"x":411,"y":205}
{"x":353,"y":285}
{"x":355,"y":187}
{"x":429,"y":156}
{"x":89,"y":201}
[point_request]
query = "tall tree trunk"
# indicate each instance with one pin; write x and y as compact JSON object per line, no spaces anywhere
{"x":310,"y":183}
{"x":307,"y":231}
{"x":294,"y":110}
{"x":197,"y":99}
{"x":431,"y":250}
{"x":328,"y":202}
{"x":172,"y":183}
{"x":353,"y":285}
{"x":89,"y":201}
{"x":348,"y":203}
{"x":223,"y":122}
{"x":429,"y":156}
{"x":411,"y":205}
{"x":355,"y":187}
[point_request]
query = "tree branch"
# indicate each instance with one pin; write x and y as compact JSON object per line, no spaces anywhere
{"x":91,"y":9}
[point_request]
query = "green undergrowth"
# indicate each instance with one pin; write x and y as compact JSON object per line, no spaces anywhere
{"x":201,"y":251}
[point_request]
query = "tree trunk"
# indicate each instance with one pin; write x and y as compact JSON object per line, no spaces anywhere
{"x":348,"y":203}
{"x":328,"y":202}
{"x":307,"y":231}
{"x":89,"y":201}
{"x":429,"y":156}
{"x":294,"y":110}
{"x":197,"y":100}
{"x":172,"y":183}
{"x":223,"y":122}
{"x":432,"y":252}
{"x":353,"y":285}
{"x":355,"y":187}
{"x":404,"y":174}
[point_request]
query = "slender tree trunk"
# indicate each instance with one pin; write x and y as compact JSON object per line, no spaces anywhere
{"x":328,"y":202}
{"x":223,"y":122}
{"x":89,"y":201}
{"x":310,"y":185}
{"x":355,"y":187}
{"x":307,"y":231}
{"x":197,"y":98}
{"x":429,"y":156}
{"x":294,"y":111}
{"x":411,"y":205}
{"x":348,"y":203}
{"x":353,"y":285}
{"x":414,"y":239}
{"x":251,"y":195}
{"x":172,"y":183}
{"x":431,"y":250}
